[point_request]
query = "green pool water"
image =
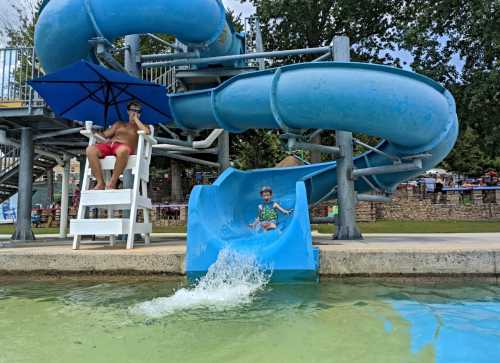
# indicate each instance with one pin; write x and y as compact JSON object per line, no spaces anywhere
{"x":332,"y":321}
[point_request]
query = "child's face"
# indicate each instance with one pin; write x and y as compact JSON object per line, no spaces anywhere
{"x":266,"y":196}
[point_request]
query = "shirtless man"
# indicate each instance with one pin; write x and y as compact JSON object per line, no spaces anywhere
{"x":121,"y":141}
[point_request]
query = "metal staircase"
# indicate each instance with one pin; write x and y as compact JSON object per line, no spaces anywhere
{"x":9,"y":169}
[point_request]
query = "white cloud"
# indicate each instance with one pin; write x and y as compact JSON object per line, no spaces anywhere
{"x":246,"y":9}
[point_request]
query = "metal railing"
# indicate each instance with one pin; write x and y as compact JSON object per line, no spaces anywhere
{"x":17,"y":67}
{"x":9,"y":158}
{"x":164,"y":76}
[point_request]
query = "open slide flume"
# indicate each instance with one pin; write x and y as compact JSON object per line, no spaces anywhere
{"x":413,"y":114}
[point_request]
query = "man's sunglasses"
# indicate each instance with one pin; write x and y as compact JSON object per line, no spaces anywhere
{"x":134,"y":110}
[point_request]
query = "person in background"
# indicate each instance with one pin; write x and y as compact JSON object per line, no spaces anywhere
{"x":76,"y":196}
{"x":438,"y":189}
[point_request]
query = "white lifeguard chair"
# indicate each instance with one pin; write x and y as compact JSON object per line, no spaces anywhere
{"x":117,"y":199}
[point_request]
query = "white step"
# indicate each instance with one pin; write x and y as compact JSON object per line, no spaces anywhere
{"x":113,"y":198}
{"x":106,"y":226}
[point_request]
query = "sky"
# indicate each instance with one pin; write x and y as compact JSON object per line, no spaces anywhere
{"x":245,"y":9}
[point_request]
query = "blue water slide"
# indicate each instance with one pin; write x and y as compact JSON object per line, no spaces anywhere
{"x":65,"y":27}
{"x":412,"y":113}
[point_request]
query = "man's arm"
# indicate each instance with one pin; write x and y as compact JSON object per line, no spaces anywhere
{"x":110,"y":132}
{"x":141,"y":126}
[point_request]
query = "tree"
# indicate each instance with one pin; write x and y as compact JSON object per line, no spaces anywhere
{"x":455,"y":42}
{"x":257,"y":148}
{"x":291,"y":24}
{"x":19,"y":30}
{"x":466,"y":157}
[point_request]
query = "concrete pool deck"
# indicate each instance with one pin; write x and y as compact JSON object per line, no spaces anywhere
{"x":376,"y":255}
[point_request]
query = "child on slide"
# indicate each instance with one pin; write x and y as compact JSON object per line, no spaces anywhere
{"x":268,"y":216}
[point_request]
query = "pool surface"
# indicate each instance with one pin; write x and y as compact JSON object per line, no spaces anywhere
{"x":332,"y":321}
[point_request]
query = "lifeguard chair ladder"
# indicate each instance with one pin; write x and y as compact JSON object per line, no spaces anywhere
{"x":117,"y":199}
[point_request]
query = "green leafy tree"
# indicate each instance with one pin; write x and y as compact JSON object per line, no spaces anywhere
{"x":467,"y":157}
{"x":257,"y":148}
{"x":455,"y":42}
{"x":19,"y":30}
{"x":291,"y":24}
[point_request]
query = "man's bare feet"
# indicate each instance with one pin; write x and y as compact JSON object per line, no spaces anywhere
{"x":99,"y":187}
{"x":111,"y":185}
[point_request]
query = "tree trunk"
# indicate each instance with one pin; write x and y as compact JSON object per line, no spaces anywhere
{"x":176,"y":180}
{"x":316,"y":155}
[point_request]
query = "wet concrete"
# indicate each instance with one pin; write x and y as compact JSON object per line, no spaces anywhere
{"x":376,"y":255}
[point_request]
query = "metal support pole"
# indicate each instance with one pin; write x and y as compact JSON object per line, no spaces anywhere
{"x":373,"y":198}
{"x":50,"y":187}
{"x":230,"y":58}
{"x":63,"y":221}
{"x":224,"y":151}
{"x":259,"y":44}
{"x":25,"y":188}
{"x":133,"y":55}
{"x":388,"y":169}
{"x":189,"y":159}
{"x":347,"y":228}
{"x":332,"y":150}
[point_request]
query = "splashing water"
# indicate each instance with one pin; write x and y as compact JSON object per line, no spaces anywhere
{"x":231,"y":281}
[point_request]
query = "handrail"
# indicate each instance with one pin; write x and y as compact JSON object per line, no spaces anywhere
{"x":17,"y":67}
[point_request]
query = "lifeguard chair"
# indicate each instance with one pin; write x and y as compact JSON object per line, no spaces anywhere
{"x":134,"y":199}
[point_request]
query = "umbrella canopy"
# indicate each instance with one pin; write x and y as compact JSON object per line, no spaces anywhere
{"x":88,"y":92}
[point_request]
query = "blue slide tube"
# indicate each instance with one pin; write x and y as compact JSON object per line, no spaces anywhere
{"x":65,"y":27}
{"x":412,"y":113}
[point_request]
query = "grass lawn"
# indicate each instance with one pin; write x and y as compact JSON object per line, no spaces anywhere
{"x":422,"y":227}
{"x":376,"y":227}
{"x":9,"y":229}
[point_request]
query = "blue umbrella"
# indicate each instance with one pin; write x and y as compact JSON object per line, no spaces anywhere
{"x":88,"y":92}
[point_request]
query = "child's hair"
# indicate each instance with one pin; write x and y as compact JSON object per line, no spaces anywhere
{"x":266,"y":189}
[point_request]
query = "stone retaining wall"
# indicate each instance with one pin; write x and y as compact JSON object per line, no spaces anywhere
{"x":412,"y":204}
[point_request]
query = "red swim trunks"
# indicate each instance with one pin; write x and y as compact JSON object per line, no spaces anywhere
{"x":110,"y":149}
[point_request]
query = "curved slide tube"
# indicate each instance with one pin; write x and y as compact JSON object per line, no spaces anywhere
{"x":65,"y":27}
{"x":414,"y":114}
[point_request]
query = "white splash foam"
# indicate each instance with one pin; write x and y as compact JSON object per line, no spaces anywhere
{"x":231,"y":281}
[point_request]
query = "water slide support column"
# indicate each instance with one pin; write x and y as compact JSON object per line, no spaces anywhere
{"x":25,"y":188}
{"x":223,"y":148}
{"x":50,"y":187}
{"x":347,"y":228}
